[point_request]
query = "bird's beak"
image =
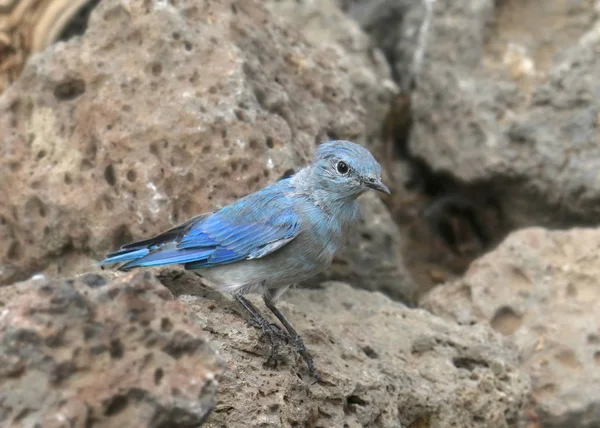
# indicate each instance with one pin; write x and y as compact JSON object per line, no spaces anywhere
{"x":376,"y":184}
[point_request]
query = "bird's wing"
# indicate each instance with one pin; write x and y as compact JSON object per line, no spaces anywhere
{"x":233,"y":239}
{"x":251,"y":228}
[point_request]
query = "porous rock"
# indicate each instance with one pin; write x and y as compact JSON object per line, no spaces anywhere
{"x":507,"y":96}
{"x":157,"y":113}
{"x":100,"y":351}
{"x":325,"y":25}
{"x":541,"y":289}
{"x":395,"y":27}
{"x":381,"y":364}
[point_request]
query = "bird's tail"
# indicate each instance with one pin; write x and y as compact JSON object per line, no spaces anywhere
{"x":156,"y":251}
{"x":124,"y":255}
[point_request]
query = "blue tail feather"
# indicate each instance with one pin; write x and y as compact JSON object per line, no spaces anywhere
{"x":120,"y":257}
{"x":169,"y":256}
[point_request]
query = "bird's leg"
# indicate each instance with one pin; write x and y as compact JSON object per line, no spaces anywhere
{"x":272,"y":331}
{"x":297,"y":341}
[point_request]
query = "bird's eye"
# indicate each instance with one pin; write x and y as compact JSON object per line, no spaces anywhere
{"x":342,"y":167}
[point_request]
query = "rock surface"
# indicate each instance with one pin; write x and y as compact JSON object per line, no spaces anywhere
{"x":156,"y":114}
{"x":504,"y":112}
{"x":110,"y":349}
{"x":100,"y":351}
{"x":542,"y":290}
{"x":382,"y":364}
{"x":323,"y":24}
{"x":508,"y":96}
{"x":395,"y":26}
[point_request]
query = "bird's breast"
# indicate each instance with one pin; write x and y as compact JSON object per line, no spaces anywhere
{"x":324,"y":229}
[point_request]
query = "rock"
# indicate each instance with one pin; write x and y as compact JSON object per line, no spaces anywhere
{"x":102,"y":351}
{"x":395,"y":26}
{"x":381,"y":363}
{"x":325,"y":25}
{"x":507,"y":96}
{"x":540,"y":289}
{"x":504,"y":112}
{"x":157,"y":113}
{"x":444,"y":223}
{"x":111,"y":349}
{"x":29,"y":26}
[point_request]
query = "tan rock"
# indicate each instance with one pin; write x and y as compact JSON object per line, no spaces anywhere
{"x":156,"y":114}
{"x":541,"y":289}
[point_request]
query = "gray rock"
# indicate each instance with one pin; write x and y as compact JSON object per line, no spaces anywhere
{"x":382,"y":364}
{"x":541,"y":290}
{"x":505,"y":105}
{"x":100,"y":351}
{"x":395,"y":25}
{"x":324,"y":25}
{"x":499,"y":103}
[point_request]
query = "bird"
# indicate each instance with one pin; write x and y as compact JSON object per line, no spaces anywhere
{"x":269,"y":240}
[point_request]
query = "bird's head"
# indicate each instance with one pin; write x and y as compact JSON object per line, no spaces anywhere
{"x":347,"y":169}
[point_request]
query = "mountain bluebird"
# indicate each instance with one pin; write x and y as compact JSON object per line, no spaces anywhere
{"x":274,"y":238}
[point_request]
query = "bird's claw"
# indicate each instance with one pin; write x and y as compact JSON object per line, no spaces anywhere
{"x":276,"y":336}
{"x":300,"y":348}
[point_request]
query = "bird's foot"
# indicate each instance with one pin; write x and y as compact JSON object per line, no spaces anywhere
{"x":295,"y":339}
{"x":277,"y":337}
{"x":300,"y":348}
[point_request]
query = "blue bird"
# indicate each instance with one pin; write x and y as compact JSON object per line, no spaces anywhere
{"x":271,"y":239}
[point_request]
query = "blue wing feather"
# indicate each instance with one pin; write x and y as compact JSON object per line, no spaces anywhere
{"x":200,"y":240}
{"x":251,"y":228}
{"x":222,"y":256}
